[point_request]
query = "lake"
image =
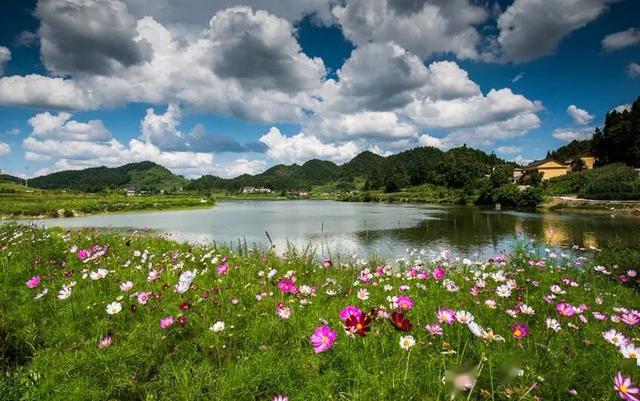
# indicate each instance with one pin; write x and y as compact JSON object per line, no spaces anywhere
{"x":365,"y":229}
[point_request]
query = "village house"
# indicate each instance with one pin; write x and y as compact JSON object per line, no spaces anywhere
{"x":254,"y":190}
{"x":551,"y":168}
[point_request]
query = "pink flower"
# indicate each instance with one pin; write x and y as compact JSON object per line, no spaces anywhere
{"x":519,"y":330}
{"x":434,"y":329}
{"x":438,"y":273}
{"x":323,"y":338}
{"x":105,"y":342}
{"x":83,"y":254}
{"x":287,"y":286}
{"x":625,"y":388}
{"x":565,"y":309}
{"x":33,"y":282}
{"x":630,"y":318}
{"x":405,"y":302}
{"x":327,"y":263}
{"x":166,"y":322}
{"x":143,"y":297}
{"x":350,"y":311}
{"x":223,"y":268}
{"x":446,"y":315}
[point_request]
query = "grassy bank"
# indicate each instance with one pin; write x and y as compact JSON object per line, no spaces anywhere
{"x":44,"y":203}
{"x":426,"y":193}
{"x":100,"y":315}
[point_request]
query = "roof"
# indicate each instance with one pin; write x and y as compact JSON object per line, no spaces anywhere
{"x":543,"y":161}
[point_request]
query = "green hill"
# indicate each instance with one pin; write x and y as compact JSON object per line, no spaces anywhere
{"x":143,"y":176}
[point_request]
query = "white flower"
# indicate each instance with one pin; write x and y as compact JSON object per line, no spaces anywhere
{"x":407,"y":342}
{"x":464,"y":317}
{"x":615,"y":338}
{"x":363,"y":294}
{"x":41,"y":294}
{"x":552,"y":324}
{"x":503,"y":291}
{"x":305,"y":290}
{"x":185,"y":280}
{"x":217,"y":326}
{"x":557,"y":290}
{"x":476,"y":329}
{"x":114,"y":308}
{"x":65,"y":292}
{"x":527,"y":310}
{"x":126,"y":286}
{"x":388,"y":287}
{"x":491,"y":303}
{"x":98,"y":274}
{"x":272,"y":273}
{"x":630,"y":351}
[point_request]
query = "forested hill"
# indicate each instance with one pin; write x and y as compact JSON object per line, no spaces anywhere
{"x":143,"y":176}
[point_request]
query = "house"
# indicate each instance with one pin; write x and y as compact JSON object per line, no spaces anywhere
{"x":551,"y":168}
{"x":254,"y":190}
{"x":129,"y":191}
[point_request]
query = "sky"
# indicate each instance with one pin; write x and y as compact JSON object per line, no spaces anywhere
{"x":236,"y":86}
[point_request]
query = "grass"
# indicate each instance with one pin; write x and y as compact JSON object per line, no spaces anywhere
{"x":426,"y":193}
{"x":49,"y":347}
{"x":46,"y":203}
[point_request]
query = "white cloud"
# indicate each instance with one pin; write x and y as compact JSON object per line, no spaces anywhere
{"x":428,"y":140}
{"x":5,"y":56}
{"x":59,"y":127}
{"x":424,"y":28}
{"x":508,"y":149}
{"x":571,"y":134}
{"x":12,"y":131}
{"x":633,"y":70}
{"x":521,"y":160}
{"x":579,"y":115}
{"x":533,"y":28}
{"x":5,"y":149}
{"x":238,"y":167}
{"x":206,"y":72}
{"x":518,"y":77}
{"x":302,"y":147}
{"x":378,"y":125}
{"x":620,"y":40}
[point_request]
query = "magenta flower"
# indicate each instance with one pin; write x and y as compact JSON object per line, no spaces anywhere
{"x":223,"y":268}
{"x":630,"y":318}
{"x":446,"y":315}
{"x":565,"y":309}
{"x":83,"y":254}
{"x":323,"y":338}
{"x":625,"y":388}
{"x":519,"y":330}
{"x":287,"y":286}
{"x":434,"y":329}
{"x":438,"y":273}
{"x":405,"y":302}
{"x":327,"y":263}
{"x":166,"y":322}
{"x":33,"y":282}
{"x":143,"y":297}
{"x":350,"y":311}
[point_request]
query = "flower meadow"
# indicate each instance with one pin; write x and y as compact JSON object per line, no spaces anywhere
{"x":98,"y":314}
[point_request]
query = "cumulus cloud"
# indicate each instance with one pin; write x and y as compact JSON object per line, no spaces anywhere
{"x":88,"y":36}
{"x":533,"y":28}
{"x":579,"y":115}
{"x":572,"y":134}
{"x":620,"y":40}
{"x":5,"y":149}
{"x":623,"y":107}
{"x":633,"y":70}
{"x":424,"y":28}
{"x":508,"y":149}
{"x":187,"y":71}
{"x":302,"y":147}
{"x":5,"y":56}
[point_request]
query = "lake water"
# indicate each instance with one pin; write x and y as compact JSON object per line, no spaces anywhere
{"x":386,"y":230}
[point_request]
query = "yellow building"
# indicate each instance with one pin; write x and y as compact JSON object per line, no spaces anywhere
{"x":551,"y":168}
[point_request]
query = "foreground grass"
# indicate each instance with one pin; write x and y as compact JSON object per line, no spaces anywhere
{"x":41,"y":203}
{"x":49,"y":347}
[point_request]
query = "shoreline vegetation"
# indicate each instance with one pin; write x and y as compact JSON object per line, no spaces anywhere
{"x":105,"y":314}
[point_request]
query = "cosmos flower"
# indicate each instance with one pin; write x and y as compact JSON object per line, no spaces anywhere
{"x":625,"y":388}
{"x":615,"y":338}
{"x":446,"y":315}
{"x":126,"y":286}
{"x":348,"y":311}
{"x":407,"y":342}
{"x":630,"y":318}
{"x":280,"y":397}
{"x":630,"y":351}
{"x":327,"y":263}
{"x":185,"y":280}
{"x":565,"y":309}
{"x":552,"y":324}
{"x":464,"y":317}
{"x":83,"y":254}
{"x":434,"y":329}
{"x":217,"y":326}
{"x":323,"y":338}
{"x":223,"y":268}
{"x":358,"y":324}
{"x":283,"y":311}
{"x":362,"y":294}
{"x":438,"y":273}
{"x":519,"y":330}
{"x":105,"y":342}
{"x":287,"y":286}
{"x":503,"y":291}
{"x":166,"y":322}
{"x":114,"y":308}
{"x":404,"y":302}
{"x":399,"y":321}
{"x":142,"y":297}
{"x":33,"y":282}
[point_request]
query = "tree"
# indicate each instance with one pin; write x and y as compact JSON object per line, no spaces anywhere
{"x":619,"y":141}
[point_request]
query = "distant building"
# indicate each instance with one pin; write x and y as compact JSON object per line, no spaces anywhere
{"x":551,"y":168}
{"x":129,"y":191}
{"x":254,"y":190}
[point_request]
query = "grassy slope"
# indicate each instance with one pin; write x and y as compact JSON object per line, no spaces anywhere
{"x":49,"y":346}
{"x":44,"y":203}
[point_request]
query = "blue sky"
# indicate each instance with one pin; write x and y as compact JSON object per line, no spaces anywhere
{"x":233,"y":87}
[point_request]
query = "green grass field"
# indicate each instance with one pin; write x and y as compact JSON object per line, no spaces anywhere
{"x":101,"y":315}
{"x":16,"y":202}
